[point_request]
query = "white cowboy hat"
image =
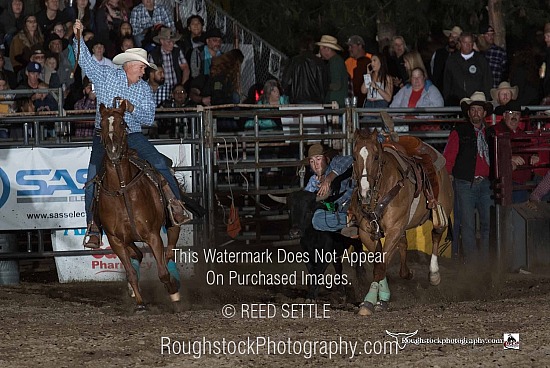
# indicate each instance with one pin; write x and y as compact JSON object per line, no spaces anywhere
{"x":133,"y":54}
{"x":455,"y":31}
{"x":330,"y":42}
{"x":477,"y":98}
{"x":504,"y":85}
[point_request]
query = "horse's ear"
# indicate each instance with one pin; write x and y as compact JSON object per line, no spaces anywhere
{"x":102,"y":108}
{"x":123,"y":105}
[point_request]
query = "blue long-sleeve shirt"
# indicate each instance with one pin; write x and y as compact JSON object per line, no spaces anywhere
{"x":112,"y":82}
{"x":338,"y":165}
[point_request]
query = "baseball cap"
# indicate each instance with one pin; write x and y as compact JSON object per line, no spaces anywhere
{"x":34,"y":67}
{"x":355,"y":40}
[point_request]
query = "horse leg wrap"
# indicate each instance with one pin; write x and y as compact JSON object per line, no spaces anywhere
{"x":174,"y":272}
{"x":384,"y":290}
{"x":439,"y":218}
{"x":372,"y":295}
{"x":136,"y":265}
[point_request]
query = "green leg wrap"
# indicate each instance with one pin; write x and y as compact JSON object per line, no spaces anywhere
{"x":384,"y":290}
{"x":372,"y":295}
{"x":136,"y":266}
{"x":173,"y":270}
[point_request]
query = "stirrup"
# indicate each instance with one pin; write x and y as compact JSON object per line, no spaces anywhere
{"x":92,"y":238}
{"x":177,"y":212}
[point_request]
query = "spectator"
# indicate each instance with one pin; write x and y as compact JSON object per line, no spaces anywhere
{"x":496,"y":55}
{"x":396,"y":62}
{"x":524,"y":73}
{"x":125,"y":32}
{"x":11,"y":21}
{"x":306,"y":78}
{"x":6,"y":102}
{"x":61,"y":30}
{"x":157,"y":82}
{"x":82,"y":10}
{"x":32,"y":71}
{"x":59,"y":47}
{"x":37,"y":55}
{"x":502,"y":95}
{"x":8,"y":74}
{"x":51,"y":15}
{"x":97,"y":49}
{"x":177,"y":127}
{"x":202,"y":56}
{"x":188,"y":8}
{"x":440,"y":56}
{"x":413,"y":60}
{"x":466,"y":72}
{"x":193,"y":38}
{"x":147,"y":15}
{"x":51,"y":78}
{"x":418,"y":93}
{"x":22,"y":104}
{"x":23,"y":41}
{"x":510,"y":124}
{"x":126,"y":43}
{"x":356,"y":65}
{"x":110,"y":15}
{"x":223,"y":87}
{"x":467,"y":160}
{"x":85,"y":129}
{"x":378,"y":85}
{"x":272,"y":95}
{"x":170,"y":56}
{"x":338,"y":76}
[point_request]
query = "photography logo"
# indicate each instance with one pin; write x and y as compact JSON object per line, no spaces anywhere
{"x":401,"y":338}
{"x":511,"y":341}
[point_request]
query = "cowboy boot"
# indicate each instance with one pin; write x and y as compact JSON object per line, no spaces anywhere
{"x":92,"y":238}
{"x":388,"y":123}
{"x":176,"y":210}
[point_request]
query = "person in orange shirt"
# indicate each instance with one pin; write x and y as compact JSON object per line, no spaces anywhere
{"x":356,"y":65}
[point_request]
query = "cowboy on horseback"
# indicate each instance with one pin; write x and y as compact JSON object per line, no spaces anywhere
{"x":126,"y":84}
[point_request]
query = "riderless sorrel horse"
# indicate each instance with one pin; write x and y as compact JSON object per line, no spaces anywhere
{"x":389,"y":200}
{"x":131,"y":206}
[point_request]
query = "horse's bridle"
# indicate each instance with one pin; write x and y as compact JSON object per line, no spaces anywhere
{"x":372,"y":207}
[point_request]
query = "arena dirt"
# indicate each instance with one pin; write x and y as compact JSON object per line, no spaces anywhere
{"x":93,"y":324}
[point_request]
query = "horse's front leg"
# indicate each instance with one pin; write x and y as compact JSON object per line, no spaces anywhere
{"x":157,"y":247}
{"x":404,"y":271}
{"x":121,"y":251}
{"x":435,"y":277}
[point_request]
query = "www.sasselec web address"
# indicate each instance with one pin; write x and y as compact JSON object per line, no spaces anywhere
{"x":262,"y":345}
{"x":56,"y":215}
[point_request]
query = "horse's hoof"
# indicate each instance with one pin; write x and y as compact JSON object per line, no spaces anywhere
{"x":381,"y":306}
{"x":435,"y":278}
{"x":131,"y":291}
{"x":366,"y":309}
{"x":175,"y":297}
{"x":140,"y":308}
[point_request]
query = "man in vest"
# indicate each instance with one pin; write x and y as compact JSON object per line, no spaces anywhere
{"x":467,"y":155}
{"x":170,"y":57}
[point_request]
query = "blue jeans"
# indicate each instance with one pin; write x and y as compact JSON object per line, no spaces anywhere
{"x":472,"y":196}
{"x":329,"y":221}
{"x":144,"y":149}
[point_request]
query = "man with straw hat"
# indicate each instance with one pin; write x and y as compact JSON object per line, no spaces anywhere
{"x":170,"y":56}
{"x":467,"y":161}
{"x":440,"y":56}
{"x":125,"y":83}
{"x":338,"y":75}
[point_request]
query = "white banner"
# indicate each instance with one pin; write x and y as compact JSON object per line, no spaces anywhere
{"x":43,"y":188}
{"x":107,"y":267}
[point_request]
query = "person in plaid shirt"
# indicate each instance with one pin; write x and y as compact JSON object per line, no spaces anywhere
{"x":88,"y":102}
{"x":147,"y":15}
{"x":125,"y":83}
{"x":496,"y":56}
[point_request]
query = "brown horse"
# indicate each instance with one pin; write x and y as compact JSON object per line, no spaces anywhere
{"x":387,"y":202}
{"x":130,"y":206}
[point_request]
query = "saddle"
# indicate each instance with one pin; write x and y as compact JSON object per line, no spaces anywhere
{"x":421,"y":158}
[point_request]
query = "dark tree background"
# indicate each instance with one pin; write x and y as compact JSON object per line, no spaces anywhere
{"x":283,"y":22}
